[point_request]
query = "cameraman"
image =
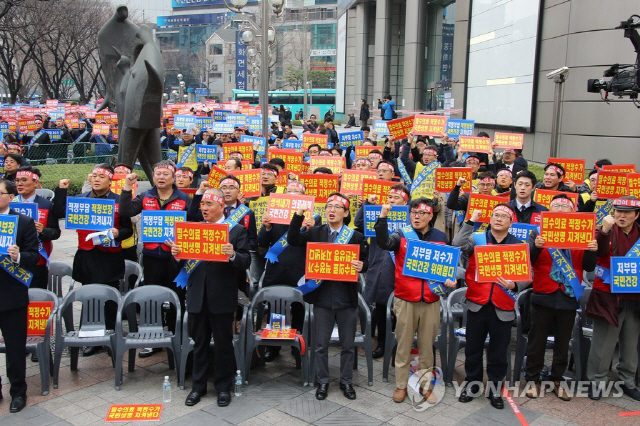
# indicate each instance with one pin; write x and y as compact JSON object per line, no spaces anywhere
{"x":388,"y":107}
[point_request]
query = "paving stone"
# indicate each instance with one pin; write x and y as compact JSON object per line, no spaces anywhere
{"x":277,"y":417}
{"x":197,"y":418}
{"x":349,"y":417}
{"x":506,"y":416}
{"x":44,"y":419}
{"x":241,"y":409}
{"x":25,"y":414}
{"x":272,"y":393}
{"x":306,"y":407}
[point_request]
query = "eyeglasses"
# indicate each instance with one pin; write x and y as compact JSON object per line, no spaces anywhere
{"x":418,"y":213}
{"x":334,"y":207}
{"x":501,"y":216}
{"x":228,"y":188}
{"x":5,"y":193}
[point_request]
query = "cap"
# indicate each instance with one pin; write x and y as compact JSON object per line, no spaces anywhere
{"x":626,"y":203}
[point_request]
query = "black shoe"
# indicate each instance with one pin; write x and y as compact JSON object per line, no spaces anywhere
{"x":34,"y":358}
{"x":147,"y":352}
{"x":632,"y":393}
{"x":496,"y":401}
{"x":348,"y":391}
{"x":594,"y":393}
{"x":322,"y":391}
{"x":378,"y":352}
{"x":17,"y":404}
{"x":224,"y":399}
{"x":271,"y":354}
{"x":91,"y":350}
{"x":464,"y":397}
{"x":193,"y":398}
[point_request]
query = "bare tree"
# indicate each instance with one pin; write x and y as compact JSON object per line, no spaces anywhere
{"x":15,"y":53}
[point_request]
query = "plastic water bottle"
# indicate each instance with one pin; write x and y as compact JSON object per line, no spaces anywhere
{"x":238,"y":387}
{"x":166,"y":390}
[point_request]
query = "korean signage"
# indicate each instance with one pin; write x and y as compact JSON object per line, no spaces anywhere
{"x":430,"y":261}
{"x":201,"y":241}
{"x":397,"y":218}
{"x":281,"y":207}
{"x":241,"y":64}
{"x":611,"y":185}
{"x":353,"y":181}
{"x":320,"y":186}
{"x":509,"y":261}
{"x":473,"y":144}
{"x":327,"y":261}
{"x":37,"y":316}
{"x":568,"y":230}
{"x":250,"y":182}
{"x":574,"y":169}
{"x":509,"y":140}
{"x":459,"y":127}
{"x":432,"y":125}
{"x":447,"y":178}
{"x":158,"y":225}
{"x":400,"y":127}
{"x":485,"y":203}
{"x":8,"y":231}
{"x":90,"y":213}
{"x":377,"y":187}
{"x":625,"y":272}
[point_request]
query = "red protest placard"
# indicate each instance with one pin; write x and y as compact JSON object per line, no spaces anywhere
{"x":74,"y":122}
{"x":189,"y":191}
{"x":246,"y":165}
{"x":431,"y":125}
{"x":447,"y":177}
{"x":574,"y":168}
{"x":133,"y":413}
{"x":201,"y":241}
{"x":309,"y":139}
{"x":473,"y":144}
{"x":568,"y":230}
{"x":624,"y":168}
{"x":509,"y":261}
{"x":100,"y":129}
{"x":377,"y":187}
{"x":400,"y":127}
{"x":283,"y":179}
{"x":611,"y":185}
{"x":363,"y":150}
{"x":215,"y":176}
{"x":281,"y":207}
{"x":26,"y":125}
{"x":291,"y":158}
{"x":544,"y":197}
{"x":509,"y":140}
{"x":335,"y":164}
{"x":320,"y":186}
{"x":279,"y":334}
{"x":37,"y":316}
{"x":118,"y":183}
{"x":244,"y":148}
{"x":353,"y":181}
{"x":326,"y":261}
{"x":249,"y":181}
{"x":633,"y":181}
{"x":486,"y":203}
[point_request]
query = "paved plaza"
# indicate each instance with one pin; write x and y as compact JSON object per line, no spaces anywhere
{"x":275,"y":395}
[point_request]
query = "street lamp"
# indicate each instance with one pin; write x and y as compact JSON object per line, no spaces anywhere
{"x":267,"y":35}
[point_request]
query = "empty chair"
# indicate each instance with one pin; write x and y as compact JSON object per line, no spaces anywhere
{"x":440,"y":343}
{"x":45,"y":193}
{"x":150,"y":333}
{"x":187,"y":347}
{"x":57,"y":271}
{"x":280,"y":299}
{"x":361,"y":340}
{"x":130,"y":269}
{"x":93,"y":298}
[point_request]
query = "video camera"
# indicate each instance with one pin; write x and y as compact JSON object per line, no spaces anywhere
{"x":625,"y":79}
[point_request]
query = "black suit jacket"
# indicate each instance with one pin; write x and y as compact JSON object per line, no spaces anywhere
{"x":517,"y":168}
{"x":320,"y":234}
{"x":219,"y":278}
{"x":14,"y":293}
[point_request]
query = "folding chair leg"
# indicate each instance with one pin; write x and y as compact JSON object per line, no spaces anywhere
{"x":44,"y":374}
{"x":132,"y":360}
{"x":171,"y":359}
{"x":73,"y":354}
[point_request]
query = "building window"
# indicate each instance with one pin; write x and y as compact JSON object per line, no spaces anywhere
{"x":215,"y":75}
{"x":215,"y":49}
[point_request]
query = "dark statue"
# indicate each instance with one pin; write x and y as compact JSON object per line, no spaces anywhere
{"x":134,"y":75}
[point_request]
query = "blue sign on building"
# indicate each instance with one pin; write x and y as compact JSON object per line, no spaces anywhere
{"x":241,"y":64}
{"x":204,"y":19}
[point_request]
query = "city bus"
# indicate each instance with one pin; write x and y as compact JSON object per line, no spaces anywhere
{"x":319,"y":100}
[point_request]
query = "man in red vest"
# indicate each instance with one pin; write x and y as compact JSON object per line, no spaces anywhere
{"x":616,"y":317}
{"x":490,"y":308}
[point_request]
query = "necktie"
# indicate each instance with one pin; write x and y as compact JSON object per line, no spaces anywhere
{"x":227,"y":211}
{"x":333,"y":236}
{"x":523,"y":208}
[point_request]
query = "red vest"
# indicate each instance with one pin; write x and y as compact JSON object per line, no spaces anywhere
{"x":151,"y":203}
{"x":542,"y":282}
{"x":88,"y":245}
{"x":482,"y":293}
{"x":409,"y":288}
{"x":43,"y":216}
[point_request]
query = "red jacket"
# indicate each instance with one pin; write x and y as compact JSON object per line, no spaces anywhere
{"x":88,"y":245}
{"x":542,"y":268}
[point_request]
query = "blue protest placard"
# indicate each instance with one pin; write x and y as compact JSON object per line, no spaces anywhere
{"x":259,"y":144}
{"x":8,"y":231}
{"x":27,"y":209}
{"x":183,"y":121}
{"x":458,"y":127}
{"x":207,"y":153}
{"x":429,"y":261}
{"x":625,"y":272}
{"x":221,"y":114}
{"x":292,"y":144}
{"x":222,"y":127}
{"x":380,"y":127}
{"x":238,"y":120}
{"x":158,"y":225}
{"x":204,"y":122}
{"x":54,"y":134}
{"x":54,"y":115}
{"x":351,"y":139}
{"x":397,"y":218}
{"x":94,"y":214}
{"x":522,"y":231}
{"x":2,"y":166}
{"x":4,"y":126}
{"x":254,"y":124}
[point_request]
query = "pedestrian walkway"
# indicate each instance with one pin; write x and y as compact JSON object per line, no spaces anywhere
{"x":276,"y":396}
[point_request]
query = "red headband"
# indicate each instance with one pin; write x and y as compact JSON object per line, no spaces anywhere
{"x":210,"y":196}
{"x":556,"y":169}
{"x":375,"y":155}
{"x":165,"y":166}
{"x":362,"y":160}
{"x":101,"y":171}
{"x":507,"y":210}
{"x":231,"y":182}
{"x":273,"y":172}
{"x":13,"y":146}
{"x":563,"y":202}
{"x":504,"y":172}
{"x":26,"y":173}
{"x":626,"y":203}
{"x":487,"y":180}
{"x":425,"y":207}
{"x":473,"y":160}
{"x":127,"y":170}
{"x":296,"y":184}
{"x":184,"y":172}
{"x":432,"y":150}
{"x":385,"y":166}
{"x":342,"y":200}
{"x":400,"y":193}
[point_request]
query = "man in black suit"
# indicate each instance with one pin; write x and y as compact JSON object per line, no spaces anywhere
{"x":212,"y":299}
{"x":508,"y":162}
{"x":15,"y":296}
{"x":333,"y":300}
